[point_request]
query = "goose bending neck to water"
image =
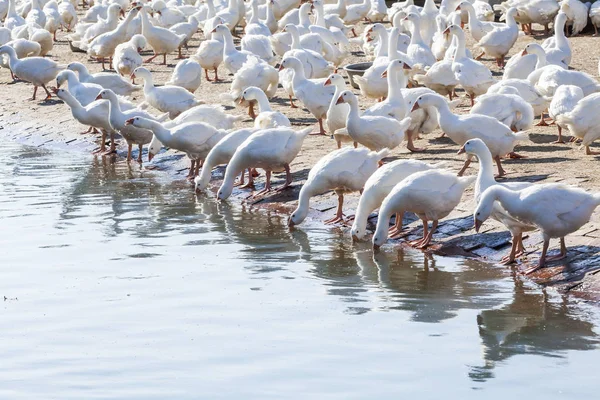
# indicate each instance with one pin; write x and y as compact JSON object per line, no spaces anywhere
{"x":556,"y":209}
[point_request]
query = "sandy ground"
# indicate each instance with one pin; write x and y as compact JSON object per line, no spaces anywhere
{"x":50,"y":124}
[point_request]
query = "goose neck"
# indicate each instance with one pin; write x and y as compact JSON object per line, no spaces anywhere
{"x":263,"y":102}
{"x":395,"y":89}
{"x":460,"y":45}
{"x":382,"y":49}
{"x":319,"y":17}
{"x":161,"y":133}
{"x":485,"y":176}
{"x":416,"y":32}
{"x":228,"y":45}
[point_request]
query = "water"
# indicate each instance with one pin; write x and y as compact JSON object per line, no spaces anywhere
{"x":121,"y":284}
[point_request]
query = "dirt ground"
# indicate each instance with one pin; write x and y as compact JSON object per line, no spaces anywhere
{"x":50,"y":124}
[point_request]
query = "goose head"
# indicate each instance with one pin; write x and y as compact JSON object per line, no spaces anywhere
{"x":139,"y":41}
{"x":290,"y":62}
{"x":533,"y":48}
{"x":106,"y":94}
{"x":336,"y":80}
{"x":60,"y":93}
{"x":63,"y":76}
{"x":132,"y":121}
{"x":249,"y":94}
{"x":452,"y":30}
{"x":76,"y":66}
{"x":395,"y":66}
{"x":142,"y":73}
{"x":378,"y":241}
{"x":221,"y":30}
{"x":412,"y":17}
{"x":463,"y":5}
{"x":483,"y":210}
{"x":346,"y":97}
{"x":474,"y":147}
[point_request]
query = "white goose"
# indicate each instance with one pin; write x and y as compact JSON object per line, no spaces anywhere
{"x":85,"y":93}
{"x":221,"y":154}
{"x":558,"y":48}
{"x":310,"y":92}
{"x":105,"y":79}
{"x":418,"y":51}
{"x":171,"y":99}
{"x":127,"y":55}
{"x":527,"y":91}
{"x":94,"y":115}
{"x":378,"y":186}
{"x":498,"y":42}
{"x":266,"y":118}
{"x":270,"y":149}
{"x":507,"y":107}
{"x":583,"y":121}
{"x":460,"y":128}
{"x":556,"y":209}
{"x":485,"y":179}
{"x":432,"y":195}
{"x":343,"y":171}
{"x":195,"y":139}
{"x":232,"y":58}
{"x":564,"y":101}
{"x":35,"y":70}
{"x":210,"y":52}
{"x":118,"y":117}
{"x":337,"y":114}
{"x":162,"y":40}
{"x":23,"y":48}
{"x":374,"y":132}
{"x":187,"y":74}
{"x":394,"y":106}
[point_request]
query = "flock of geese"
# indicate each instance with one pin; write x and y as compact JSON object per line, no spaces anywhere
{"x":417,"y":61}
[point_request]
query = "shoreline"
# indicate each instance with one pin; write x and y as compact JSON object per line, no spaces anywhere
{"x":51,"y":125}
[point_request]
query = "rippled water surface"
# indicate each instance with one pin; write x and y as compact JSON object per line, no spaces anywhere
{"x":122,"y":284}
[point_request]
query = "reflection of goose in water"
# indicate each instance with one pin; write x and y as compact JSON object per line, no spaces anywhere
{"x":117,"y":196}
{"x":531,"y":324}
{"x":413,"y":283}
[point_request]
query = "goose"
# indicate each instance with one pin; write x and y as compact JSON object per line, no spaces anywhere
{"x":356,"y":12}
{"x":253,"y":73}
{"x":103,"y":46}
{"x":94,"y":115}
{"x":260,"y":46}
{"x":527,"y":91}
{"x":394,"y":106}
{"x":498,"y":137}
{"x":485,"y":179}
{"x":577,"y":14}
{"x":520,"y":65}
{"x":210,"y":52}
{"x":595,"y":16}
{"x":533,"y":11}
{"x":167,"y":16}
{"x":282,"y":41}
{"x":23,"y":48}
{"x":338,"y":8}
{"x":316,"y":66}
{"x":107,"y":80}
{"x":439,"y":78}
{"x":232,"y":58}
{"x":297,"y":16}
{"x":498,"y":42}
{"x":68,"y":14}
{"x":343,"y":171}
{"x":127,"y":56}
{"x":187,"y":28}
{"x":254,"y":25}
{"x":36,"y":70}
{"x":230,"y":14}
{"x":102,"y":25}
{"x":210,"y":114}
{"x":187,"y":74}
{"x":37,"y":34}
{"x":195,"y":139}
{"x":483,"y":10}
{"x":13,"y":19}
{"x":583,"y":121}
{"x":220,"y":154}
{"x":552,"y":56}
{"x":556,"y":209}
{"x":53,"y":19}
{"x":507,"y":107}
{"x":477,"y":28}
{"x":378,"y":186}
{"x":36,"y":15}
{"x":337,"y":114}
{"x":118,"y":117}
{"x":270,"y":149}
{"x":162,"y":40}
{"x":375,"y":132}
{"x":432,"y":195}
{"x":418,"y":51}
{"x":266,"y":118}
{"x":85,"y":93}
{"x":171,"y":99}
{"x":472,"y":75}
{"x":549,"y":78}
{"x":310,"y":92}
{"x":565,"y":99}
{"x":371,"y":84}
{"x":558,"y":48}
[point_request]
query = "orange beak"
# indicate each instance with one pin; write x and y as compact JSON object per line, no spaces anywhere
{"x":99,"y":97}
{"x":214,"y":30}
{"x":340,"y":100}
{"x":461,"y":151}
{"x":384,"y":74}
{"x":376,"y":247}
{"x":150,"y":156}
{"x":415,"y":107}
{"x":281,"y":67}
{"x":406,"y":66}
{"x":129,"y":121}
{"x":457,"y":8}
{"x":133,"y":76}
{"x":241,"y":100}
{"x":327,"y":82}
{"x":524,"y":52}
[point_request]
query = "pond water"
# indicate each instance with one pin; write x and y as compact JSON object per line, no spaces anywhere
{"x":122,"y":284}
